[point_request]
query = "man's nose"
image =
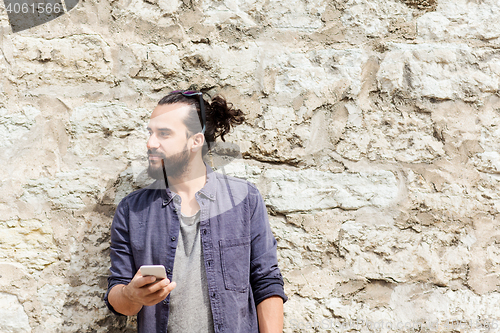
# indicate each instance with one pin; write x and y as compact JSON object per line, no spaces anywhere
{"x":153,"y":141}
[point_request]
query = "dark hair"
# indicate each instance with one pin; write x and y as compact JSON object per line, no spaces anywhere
{"x":220,"y":116}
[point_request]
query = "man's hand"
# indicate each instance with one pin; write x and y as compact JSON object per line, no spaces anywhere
{"x":142,"y":290}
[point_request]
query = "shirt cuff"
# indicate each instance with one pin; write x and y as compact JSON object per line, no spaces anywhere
{"x":271,"y":290}
{"x":110,"y":307}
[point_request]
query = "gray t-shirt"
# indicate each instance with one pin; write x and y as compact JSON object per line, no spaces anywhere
{"x":190,"y":310}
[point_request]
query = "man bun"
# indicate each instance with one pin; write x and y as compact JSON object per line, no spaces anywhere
{"x":221,"y":117}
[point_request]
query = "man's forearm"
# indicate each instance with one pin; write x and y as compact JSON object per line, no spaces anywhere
{"x":121,"y":303}
{"x":270,"y":315}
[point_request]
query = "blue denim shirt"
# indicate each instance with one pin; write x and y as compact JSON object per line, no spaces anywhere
{"x":239,"y":249}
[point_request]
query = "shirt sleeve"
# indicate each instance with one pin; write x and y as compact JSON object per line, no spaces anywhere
{"x":122,"y":263}
{"x":265,"y":276}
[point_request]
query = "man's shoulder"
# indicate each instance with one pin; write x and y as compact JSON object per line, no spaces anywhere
{"x":143,"y":195}
{"x":235,"y":190}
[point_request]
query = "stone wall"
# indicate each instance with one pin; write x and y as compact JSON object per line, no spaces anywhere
{"x":372,"y":131}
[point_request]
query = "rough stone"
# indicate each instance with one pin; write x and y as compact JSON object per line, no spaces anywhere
{"x":309,"y":190}
{"x":373,"y":19}
{"x":41,"y":61}
{"x":372,"y":131}
{"x":13,"y":318}
{"x":442,"y":25}
{"x":443,"y":72}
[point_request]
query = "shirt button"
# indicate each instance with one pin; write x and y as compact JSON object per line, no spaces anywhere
{"x":169,"y":271}
{"x":213,"y":295}
{"x":173,"y":238}
{"x":204,"y":231}
{"x":164,"y":302}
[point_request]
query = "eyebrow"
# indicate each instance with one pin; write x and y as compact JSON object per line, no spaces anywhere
{"x":162,"y":129}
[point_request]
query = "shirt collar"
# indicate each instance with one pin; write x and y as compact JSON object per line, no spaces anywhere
{"x":210,"y":186}
{"x":208,"y":190}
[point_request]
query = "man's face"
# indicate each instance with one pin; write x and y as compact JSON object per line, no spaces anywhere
{"x":168,"y":141}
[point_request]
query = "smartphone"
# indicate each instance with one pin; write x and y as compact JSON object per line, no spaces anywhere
{"x":155,"y":270}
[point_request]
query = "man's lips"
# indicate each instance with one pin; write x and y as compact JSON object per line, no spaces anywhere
{"x":154,"y":157}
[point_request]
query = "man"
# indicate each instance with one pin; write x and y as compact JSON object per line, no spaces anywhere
{"x":210,"y":231}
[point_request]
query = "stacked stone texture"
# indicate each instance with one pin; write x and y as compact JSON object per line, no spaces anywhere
{"x":372,"y":131}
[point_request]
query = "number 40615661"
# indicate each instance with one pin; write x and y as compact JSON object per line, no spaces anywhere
{"x":40,"y":8}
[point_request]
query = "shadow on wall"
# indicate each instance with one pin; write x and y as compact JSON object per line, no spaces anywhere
{"x":26,"y":14}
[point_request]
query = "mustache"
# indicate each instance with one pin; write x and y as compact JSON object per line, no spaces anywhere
{"x":156,"y":153}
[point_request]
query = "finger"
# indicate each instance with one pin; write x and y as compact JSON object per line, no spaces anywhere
{"x":138,"y":274}
{"x":144,"y":280}
{"x":160,"y":295}
{"x":158,"y":285}
{"x":171,"y":286}
{"x":155,"y":298}
{"x":167,"y":290}
{"x":137,"y":277}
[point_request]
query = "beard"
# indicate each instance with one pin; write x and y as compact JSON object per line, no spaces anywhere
{"x":175,"y":165}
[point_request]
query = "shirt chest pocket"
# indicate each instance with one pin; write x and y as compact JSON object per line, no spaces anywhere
{"x":137,"y":236}
{"x":235,"y":261}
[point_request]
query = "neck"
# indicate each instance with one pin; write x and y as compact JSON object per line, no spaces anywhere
{"x":192,"y":180}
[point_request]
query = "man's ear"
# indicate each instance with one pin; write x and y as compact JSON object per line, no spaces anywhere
{"x":198,"y":141}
